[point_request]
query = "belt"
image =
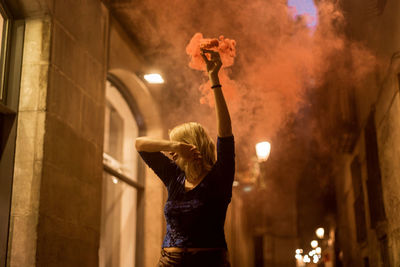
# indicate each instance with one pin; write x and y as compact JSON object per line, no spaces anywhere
{"x":176,"y":249}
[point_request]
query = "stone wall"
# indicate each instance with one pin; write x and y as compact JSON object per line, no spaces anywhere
{"x":29,"y":147}
{"x":378,"y":32}
{"x":70,"y":199}
{"x":69,"y":49}
{"x":55,"y":218}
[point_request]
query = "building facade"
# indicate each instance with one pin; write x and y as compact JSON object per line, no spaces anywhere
{"x":76,"y":193}
{"x":367,"y":175}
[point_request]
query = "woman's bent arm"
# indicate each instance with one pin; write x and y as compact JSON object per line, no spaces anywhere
{"x":147,"y":144}
{"x":176,"y":149}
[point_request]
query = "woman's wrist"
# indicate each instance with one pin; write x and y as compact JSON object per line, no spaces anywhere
{"x":175,"y":146}
{"x":214,"y":79}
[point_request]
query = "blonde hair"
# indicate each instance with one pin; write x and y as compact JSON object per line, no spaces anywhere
{"x":193,"y":133}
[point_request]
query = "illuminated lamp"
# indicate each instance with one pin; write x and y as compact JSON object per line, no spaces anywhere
{"x":154,"y":78}
{"x":263,"y":149}
{"x":320,"y":232}
{"x":314,"y":243}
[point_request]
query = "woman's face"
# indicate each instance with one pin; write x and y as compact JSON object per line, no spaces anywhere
{"x":178,"y":160}
{"x":175,"y":157}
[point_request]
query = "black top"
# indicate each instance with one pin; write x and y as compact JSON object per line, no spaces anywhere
{"x":196,"y":218}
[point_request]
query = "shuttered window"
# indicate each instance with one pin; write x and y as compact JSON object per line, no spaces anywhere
{"x":374,"y":181}
{"x":359,"y":206}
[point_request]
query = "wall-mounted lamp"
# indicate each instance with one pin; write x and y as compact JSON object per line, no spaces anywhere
{"x":154,"y":78}
{"x":263,"y":149}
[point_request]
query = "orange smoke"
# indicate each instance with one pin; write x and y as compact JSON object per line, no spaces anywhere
{"x":278,"y":60}
{"x":227,"y":51}
{"x":290,"y":60}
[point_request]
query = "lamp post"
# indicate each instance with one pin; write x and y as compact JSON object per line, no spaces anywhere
{"x":314,"y":243}
{"x":320,"y":233}
{"x":263,"y":149}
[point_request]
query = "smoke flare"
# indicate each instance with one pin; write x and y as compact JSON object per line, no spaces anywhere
{"x":227,"y":50}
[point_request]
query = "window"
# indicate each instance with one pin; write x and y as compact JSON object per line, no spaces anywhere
{"x":121,"y":186}
{"x":359,"y":207}
{"x":11,"y":48}
{"x":374,"y":182}
{"x":380,"y":6}
{"x":4,"y":22}
{"x":384,"y":248}
{"x":366,"y":262}
{"x":258,"y":250}
{"x":375,"y":7}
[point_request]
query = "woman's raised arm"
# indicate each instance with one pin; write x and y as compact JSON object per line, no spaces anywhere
{"x":214,"y":64}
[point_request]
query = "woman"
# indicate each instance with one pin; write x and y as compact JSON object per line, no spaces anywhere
{"x":199,"y":186}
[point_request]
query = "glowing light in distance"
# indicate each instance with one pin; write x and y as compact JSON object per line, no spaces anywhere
{"x":235,"y":183}
{"x":247,"y":188}
{"x":115,"y":180}
{"x":318,"y":250}
{"x":154,"y":78}
{"x":298,"y":257}
{"x":315,"y":259}
{"x":320,"y":232}
{"x":263,"y":149}
{"x":299,"y":251}
{"x":306,"y":259}
{"x":314,"y":243}
{"x":311,"y":253}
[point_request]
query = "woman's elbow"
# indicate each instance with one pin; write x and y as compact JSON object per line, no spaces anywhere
{"x":139,"y":143}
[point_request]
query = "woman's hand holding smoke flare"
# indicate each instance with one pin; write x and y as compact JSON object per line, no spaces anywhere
{"x":214,"y":43}
{"x":213,"y":64}
{"x":187,"y":152}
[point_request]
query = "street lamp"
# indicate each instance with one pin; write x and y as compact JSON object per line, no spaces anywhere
{"x":320,"y":232}
{"x":314,"y":243}
{"x":263,"y":149}
{"x":315,"y":259}
{"x":306,"y":259}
